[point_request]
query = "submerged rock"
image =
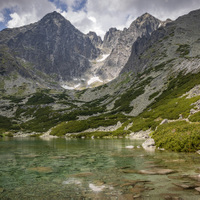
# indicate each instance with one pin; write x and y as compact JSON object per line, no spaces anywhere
{"x":172,"y":197}
{"x":185,"y":186}
{"x":157,"y":171}
{"x":195,"y":177}
{"x":42,"y":169}
{"x":84,"y":174}
{"x":197,"y":189}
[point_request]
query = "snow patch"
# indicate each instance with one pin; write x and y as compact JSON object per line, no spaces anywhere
{"x":94,"y":79}
{"x":69,"y":87}
{"x":104,"y":56}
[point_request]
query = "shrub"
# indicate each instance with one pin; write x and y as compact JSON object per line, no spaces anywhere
{"x":39,"y":98}
{"x":178,"y":136}
{"x":183,"y":50}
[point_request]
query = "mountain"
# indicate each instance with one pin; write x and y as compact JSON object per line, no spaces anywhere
{"x":120,"y":43}
{"x":52,"y":46}
{"x":53,"y":53}
{"x":157,"y":91}
{"x":173,"y":42}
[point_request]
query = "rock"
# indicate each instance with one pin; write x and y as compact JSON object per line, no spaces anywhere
{"x":185,"y":186}
{"x":96,"y":188}
{"x":197,"y":189}
{"x":172,"y":197}
{"x":137,"y":196}
{"x":137,"y":189}
{"x":157,"y":171}
{"x":129,"y":147}
{"x":198,"y":152}
{"x":164,"y":121}
{"x":140,"y":134}
{"x":42,"y":169}
{"x":84,"y":174}
{"x":192,"y":111}
{"x":195,"y":177}
{"x":149,"y":143}
{"x":161,"y":149}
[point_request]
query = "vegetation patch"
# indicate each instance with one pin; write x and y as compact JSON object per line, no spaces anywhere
{"x":14,"y":99}
{"x":93,"y":122}
{"x":183,"y":50}
{"x":123,"y":103}
{"x":153,"y":95}
{"x":195,"y":117}
{"x":40,"y":98}
{"x":144,"y":124}
{"x":179,"y":136}
{"x":5,"y":124}
{"x":44,"y":119}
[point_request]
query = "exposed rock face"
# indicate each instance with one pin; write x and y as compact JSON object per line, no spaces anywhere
{"x":96,"y":40}
{"x":121,"y":43}
{"x":111,"y":39}
{"x":173,"y":41}
{"x":53,"y":46}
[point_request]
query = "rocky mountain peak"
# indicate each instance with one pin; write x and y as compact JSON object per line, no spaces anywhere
{"x":111,"y":38}
{"x":121,"y":42}
{"x":145,"y":22}
{"x":95,"y":39}
{"x":53,"y":15}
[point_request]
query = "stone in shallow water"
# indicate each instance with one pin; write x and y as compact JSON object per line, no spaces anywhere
{"x":96,"y":188}
{"x":185,"y":186}
{"x":42,"y":169}
{"x":172,"y":197}
{"x":138,"y":189}
{"x":195,"y":177}
{"x":71,"y":181}
{"x":84,"y":174}
{"x":197,"y":189}
{"x":157,"y":171}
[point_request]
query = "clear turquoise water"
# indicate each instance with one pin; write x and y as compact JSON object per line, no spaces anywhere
{"x":32,"y":168}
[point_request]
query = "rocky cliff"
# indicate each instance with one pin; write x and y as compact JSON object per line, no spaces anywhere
{"x":120,"y":43}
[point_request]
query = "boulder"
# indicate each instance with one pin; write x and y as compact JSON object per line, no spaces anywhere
{"x":164,"y":121}
{"x":157,"y":171}
{"x":149,"y":143}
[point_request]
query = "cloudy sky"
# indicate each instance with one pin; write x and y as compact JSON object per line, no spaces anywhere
{"x":92,"y":15}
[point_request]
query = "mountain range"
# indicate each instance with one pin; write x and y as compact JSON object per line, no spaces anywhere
{"x":149,"y":77}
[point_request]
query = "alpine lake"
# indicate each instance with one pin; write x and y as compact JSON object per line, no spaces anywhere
{"x":48,"y":169}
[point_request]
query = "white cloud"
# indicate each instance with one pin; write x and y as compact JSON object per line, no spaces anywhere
{"x":24,"y":12}
{"x":17,"y":21}
{"x":1,"y":18}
